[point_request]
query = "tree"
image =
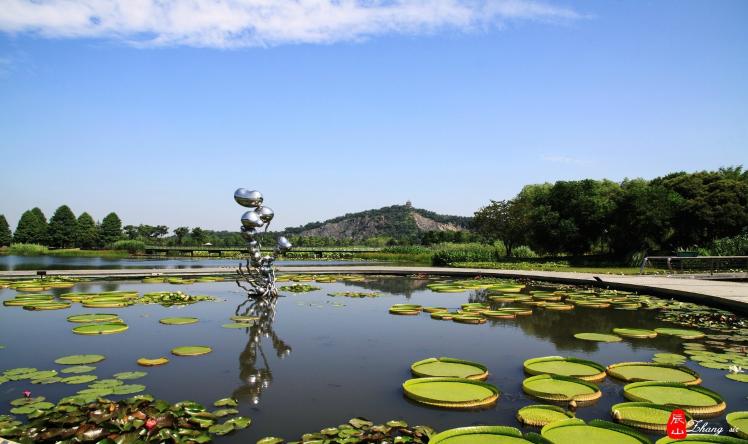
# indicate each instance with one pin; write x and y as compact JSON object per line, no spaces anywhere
{"x":501,"y":220}
{"x":110,"y":230}
{"x":63,"y":228}
{"x":131,"y":231}
{"x":31,"y":228}
{"x":5,"y":235}
{"x":198,"y":235}
{"x":180,"y":233}
{"x":87,"y":233}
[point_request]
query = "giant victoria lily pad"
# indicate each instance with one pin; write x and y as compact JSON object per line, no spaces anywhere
{"x":480,"y":435}
{"x":178,"y":321}
{"x":94,"y":317}
{"x":146,"y":362}
{"x":703,"y":439}
{"x":637,"y":333}
{"x":561,"y":389}
{"x":79,"y":359}
{"x":449,"y":367}
{"x":739,"y":421}
{"x":558,"y":365}
{"x":648,"y":371}
{"x":576,"y":431}
{"x":193,"y":350}
{"x":698,"y":401}
{"x":453,"y":393}
{"x":680,"y":332}
{"x":541,"y":414}
{"x":644,"y":415}
{"x":599,"y":337}
{"x":100,"y":329}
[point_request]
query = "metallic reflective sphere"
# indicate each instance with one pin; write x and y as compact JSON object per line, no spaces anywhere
{"x":253,"y":244}
{"x":251,"y":219}
{"x":283,"y":244}
{"x":246,"y":198}
{"x":248,"y":234}
{"x":266,"y":214}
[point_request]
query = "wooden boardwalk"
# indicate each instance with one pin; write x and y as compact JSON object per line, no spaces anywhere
{"x":731,"y":295}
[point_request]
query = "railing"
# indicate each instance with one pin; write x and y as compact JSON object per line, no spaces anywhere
{"x":215,"y":249}
{"x":696,"y":264}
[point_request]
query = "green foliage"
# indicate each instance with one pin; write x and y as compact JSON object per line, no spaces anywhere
{"x":6,"y":237}
{"x":406,"y":249}
{"x":110,"y":230}
{"x":63,"y":228}
{"x":27,"y":249}
{"x":32,"y":228}
{"x":502,"y":220}
{"x":131,"y":246}
{"x":87,"y":232}
{"x":445,"y":254}
{"x":730,"y":246}
{"x":524,"y":251}
{"x":198,"y":235}
{"x":180,"y":233}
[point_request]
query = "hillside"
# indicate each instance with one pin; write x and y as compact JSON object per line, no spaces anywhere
{"x":397,"y":221}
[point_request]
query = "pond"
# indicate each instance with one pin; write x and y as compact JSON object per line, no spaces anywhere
{"x":11,"y":262}
{"x":320,"y":360}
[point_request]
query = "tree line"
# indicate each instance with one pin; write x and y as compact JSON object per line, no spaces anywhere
{"x":679,"y":211}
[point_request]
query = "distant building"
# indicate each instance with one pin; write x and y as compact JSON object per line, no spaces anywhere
{"x":408,"y":204}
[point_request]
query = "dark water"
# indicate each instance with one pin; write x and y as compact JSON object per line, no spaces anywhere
{"x":323,"y":360}
{"x":10,"y":263}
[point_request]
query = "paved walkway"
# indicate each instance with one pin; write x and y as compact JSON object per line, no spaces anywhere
{"x":732,"y":295}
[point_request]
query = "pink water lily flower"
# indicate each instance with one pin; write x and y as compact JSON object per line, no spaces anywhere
{"x":27,"y":393}
{"x":150,"y":423}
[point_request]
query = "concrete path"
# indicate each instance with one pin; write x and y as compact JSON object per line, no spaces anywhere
{"x":731,"y":295}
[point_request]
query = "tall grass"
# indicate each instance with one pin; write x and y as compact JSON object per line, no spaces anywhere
{"x":131,"y":246}
{"x":27,"y":250}
{"x":446,"y":254}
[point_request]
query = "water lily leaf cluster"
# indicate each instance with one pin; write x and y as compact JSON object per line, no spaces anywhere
{"x":363,"y":430}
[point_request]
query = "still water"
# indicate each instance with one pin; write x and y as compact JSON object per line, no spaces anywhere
{"x":322,"y":360}
{"x":10,"y":263}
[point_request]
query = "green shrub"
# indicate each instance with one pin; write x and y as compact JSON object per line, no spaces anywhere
{"x":445,"y":254}
{"x":523,"y":251}
{"x":406,"y":249}
{"x":131,"y":246}
{"x":730,"y":246}
{"x":27,"y":249}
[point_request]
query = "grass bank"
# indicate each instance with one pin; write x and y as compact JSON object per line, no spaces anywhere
{"x":546,"y":266}
{"x":41,"y":250}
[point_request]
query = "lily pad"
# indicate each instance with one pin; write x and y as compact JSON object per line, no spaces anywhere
{"x":644,"y":415}
{"x":740,"y":377}
{"x":247,"y":319}
{"x":129,"y":375}
{"x":146,"y":362}
{"x":78,"y":369}
{"x":647,"y":371}
{"x":226,"y":402}
{"x":454,"y":393}
{"x":699,"y":438}
{"x":236,"y":325}
{"x":558,"y":365}
{"x":127,"y":389}
{"x":561,"y":389}
{"x":449,"y":367}
{"x":191,"y":350}
{"x":541,"y":414}
{"x":469,"y":319}
{"x":637,"y":333}
{"x":94,"y":318}
{"x":100,"y":329}
{"x":480,"y":435}
{"x":79,"y":359}
{"x":739,"y":422}
{"x":575,"y":431}
{"x":698,"y":401}
{"x":47,"y":306}
{"x":599,"y":337}
{"x":79,"y":379}
{"x":681,"y":333}
{"x":178,"y":321}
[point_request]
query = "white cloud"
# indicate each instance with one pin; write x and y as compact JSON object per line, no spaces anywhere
{"x":240,"y":23}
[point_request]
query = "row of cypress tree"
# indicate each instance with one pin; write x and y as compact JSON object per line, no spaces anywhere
{"x":63,"y":230}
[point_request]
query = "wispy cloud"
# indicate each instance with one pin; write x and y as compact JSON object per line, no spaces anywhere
{"x":241,"y":23}
{"x":568,"y":160}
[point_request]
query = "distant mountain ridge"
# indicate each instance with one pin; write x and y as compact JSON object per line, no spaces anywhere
{"x":397,"y":221}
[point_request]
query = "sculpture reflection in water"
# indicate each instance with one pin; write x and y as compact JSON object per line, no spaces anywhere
{"x":255,"y":372}
{"x":258,"y":275}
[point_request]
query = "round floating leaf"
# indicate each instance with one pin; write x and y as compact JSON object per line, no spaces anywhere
{"x":79,"y":359}
{"x":540,"y":415}
{"x":481,"y":435}
{"x":702,"y":439}
{"x":247,"y":319}
{"x":453,"y":393}
{"x":740,"y":377}
{"x":226,"y":402}
{"x":644,"y":415}
{"x":41,"y":374}
{"x":240,"y":422}
{"x":47,"y":306}
{"x":698,"y":401}
{"x":499,"y":314}
{"x":225,"y":412}
{"x":599,"y":337}
{"x":94,"y":317}
{"x":449,"y":367}
{"x":575,"y":431}
{"x":79,"y":379}
{"x":561,"y":389}
{"x":106,"y":383}
{"x":191,"y":350}
{"x":647,"y":371}
{"x":680,"y":332}
{"x":127,"y":389}
{"x":558,"y":365}
{"x":236,"y":325}
{"x":100,"y":329}
{"x":129,"y":375}
{"x":637,"y":333}
{"x":739,"y":422}
{"x":669,"y":358}
{"x":469,"y":319}
{"x":178,"y":321}
{"x":98,"y":392}
{"x":78,"y":369}
{"x":146,"y":362}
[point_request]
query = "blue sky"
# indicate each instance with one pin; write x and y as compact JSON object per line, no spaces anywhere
{"x":159,"y":117}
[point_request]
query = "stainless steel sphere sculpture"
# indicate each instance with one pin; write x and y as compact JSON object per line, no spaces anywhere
{"x":258,"y":272}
